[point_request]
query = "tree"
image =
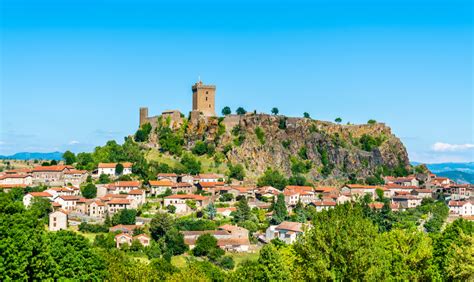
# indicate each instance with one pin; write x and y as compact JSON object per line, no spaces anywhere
{"x":338,"y":120}
{"x":191,"y":164}
{"x":125,"y":216}
{"x":272,"y":178}
{"x":236,"y":172}
{"x":69,"y":157}
{"x":275,"y":111}
{"x":89,"y":191}
{"x":119,"y":169}
{"x":372,"y":121}
{"x":171,"y":208}
{"x":104,"y":179}
{"x":306,"y":115}
{"x":160,"y":224}
{"x":242,"y":212}
{"x":211,"y":211}
{"x":279,"y":211}
{"x":200,"y":148}
{"x":226,"y":111}
{"x":241,"y":111}
{"x":205,"y":244}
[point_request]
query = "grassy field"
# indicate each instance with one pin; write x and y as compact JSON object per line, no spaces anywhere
{"x":180,"y":261}
{"x":207,"y":163}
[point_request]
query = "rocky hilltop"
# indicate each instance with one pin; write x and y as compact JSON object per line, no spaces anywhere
{"x":319,"y":150}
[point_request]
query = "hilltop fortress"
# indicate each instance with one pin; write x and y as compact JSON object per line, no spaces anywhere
{"x":203,"y":105}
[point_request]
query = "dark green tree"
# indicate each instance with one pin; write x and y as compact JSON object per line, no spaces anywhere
{"x":226,"y":111}
{"x":275,"y":111}
{"x":242,"y":212}
{"x":89,"y":191}
{"x":69,"y":158}
{"x":280,"y":213}
{"x":241,"y":111}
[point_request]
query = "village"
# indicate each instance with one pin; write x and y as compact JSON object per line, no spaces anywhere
{"x":184,"y":195}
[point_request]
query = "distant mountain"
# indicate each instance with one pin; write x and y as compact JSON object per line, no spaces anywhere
{"x":458,"y":176}
{"x":34,"y":156}
{"x":459,"y":172}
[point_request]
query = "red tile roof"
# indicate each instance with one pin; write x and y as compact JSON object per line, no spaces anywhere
{"x":10,"y":186}
{"x":118,"y":201}
{"x":56,"y":168}
{"x":136,"y":192}
{"x":127,"y":184}
{"x":211,"y":184}
{"x":163,"y":182}
{"x":40,"y":194}
{"x":292,"y":226}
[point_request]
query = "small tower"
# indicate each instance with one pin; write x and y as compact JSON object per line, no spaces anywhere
{"x":143,"y":116}
{"x":204,"y":99}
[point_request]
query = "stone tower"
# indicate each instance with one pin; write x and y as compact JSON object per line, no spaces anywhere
{"x":143,"y":116}
{"x":204,"y":99}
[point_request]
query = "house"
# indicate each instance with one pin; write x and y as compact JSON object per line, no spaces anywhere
{"x":183,"y":187}
{"x":28,"y":198}
{"x":158,"y":187}
{"x":402,"y":181}
{"x":461,"y":208}
{"x":407,"y":201}
{"x":50,"y":174}
{"x":110,"y":169}
{"x":9,"y":187}
{"x":422,"y":193}
{"x":186,"y":178}
{"x":137,"y":196}
{"x":60,"y":191}
{"x":128,"y":229}
{"x":441,"y":181}
{"x":180,"y":201}
{"x":16,"y":179}
{"x":96,"y":208}
{"x":267,"y":192}
{"x":58,"y":220}
{"x":172,"y":177}
{"x":229,"y":238}
{"x":124,"y":238}
{"x":68,"y":203}
{"x":343,"y":198}
{"x":359,"y":191}
{"x":75,"y":177}
{"x":226,"y":211}
{"x":394,"y":189}
{"x":460,"y":191}
{"x":123,"y":187}
{"x":323,"y":205}
{"x":286,"y":231}
{"x":143,"y":239}
{"x":209,"y":177}
{"x":211,"y":187}
{"x":117,"y":204}
{"x":294,"y":194}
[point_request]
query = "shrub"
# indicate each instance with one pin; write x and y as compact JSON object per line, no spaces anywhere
{"x":260,"y":135}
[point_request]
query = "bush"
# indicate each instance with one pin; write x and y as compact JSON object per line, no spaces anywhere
{"x":272,"y":178}
{"x":92,"y":228}
{"x":282,"y":123}
{"x":260,"y":135}
{"x":286,"y":144}
{"x":200,"y":148}
{"x":191,"y":164}
{"x":89,"y":191}
{"x":236,"y":172}
{"x":227,"y":197}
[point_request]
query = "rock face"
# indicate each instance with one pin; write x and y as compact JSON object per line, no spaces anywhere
{"x":327,"y":151}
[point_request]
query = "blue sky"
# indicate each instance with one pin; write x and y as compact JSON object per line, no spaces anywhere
{"x":74,"y":73}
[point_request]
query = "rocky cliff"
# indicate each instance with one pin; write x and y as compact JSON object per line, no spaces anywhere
{"x":316,"y":149}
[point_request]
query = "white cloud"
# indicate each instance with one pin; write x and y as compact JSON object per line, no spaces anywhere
{"x":445,"y":147}
{"x":74,"y":142}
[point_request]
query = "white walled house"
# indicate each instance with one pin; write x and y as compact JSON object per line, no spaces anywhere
{"x":16,"y":179}
{"x":158,"y":187}
{"x":58,"y":220}
{"x":28,"y":198}
{"x":286,"y":231}
{"x":110,"y":169}
{"x":461,"y":208}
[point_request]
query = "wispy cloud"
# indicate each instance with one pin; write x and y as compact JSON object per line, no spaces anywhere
{"x":446,"y":147}
{"x":74,"y":142}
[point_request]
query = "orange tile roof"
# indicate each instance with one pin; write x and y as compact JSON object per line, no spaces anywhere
{"x":10,"y":186}
{"x":14,"y":176}
{"x":127,"y":184}
{"x":51,"y":168}
{"x":324,"y":203}
{"x":292,"y":226}
{"x":40,"y":194}
{"x":376,"y":205}
{"x":107,"y":165}
{"x":70,"y":198}
{"x":182,"y":184}
{"x":75,"y":171}
{"x":118,"y":201}
{"x":187,"y":196}
{"x":211,"y":184}
{"x":136,"y":192}
{"x":163,"y":182}
{"x":359,"y":186}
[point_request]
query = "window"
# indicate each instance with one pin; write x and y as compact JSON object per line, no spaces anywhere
{"x":206,"y":98}
{"x":207,"y":92}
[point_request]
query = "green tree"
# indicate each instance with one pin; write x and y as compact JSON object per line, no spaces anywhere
{"x":89,"y":191}
{"x":226,"y":111}
{"x":205,"y":244}
{"x":275,"y":111}
{"x":69,"y":158}
{"x":372,"y":121}
{"x":104,"y":179}
{"x":236,"y":172}
{"x":306,"y":115}
{"x":241,"y":111}
{"x":125,"y":216}
{"x":242,"y":212}
{"x":280,"y":213}
{"x":272,"y":178}
{"x":338,"y":120}
{"x":119,"y":169}
{"x":200,"y":148}
{"x":191,"y":164}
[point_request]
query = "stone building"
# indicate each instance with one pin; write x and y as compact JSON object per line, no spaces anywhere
{"x":204,"y":99}
{"x":58,"y":220}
